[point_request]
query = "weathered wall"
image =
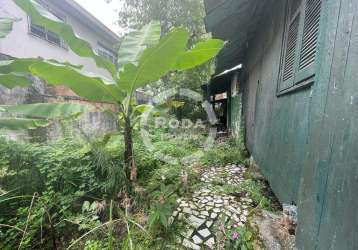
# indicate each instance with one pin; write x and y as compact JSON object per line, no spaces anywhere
{"x":328,"y":201}
{"x":306,"y":142}
{"x":89,"y":125}
{"x":276,"y":128}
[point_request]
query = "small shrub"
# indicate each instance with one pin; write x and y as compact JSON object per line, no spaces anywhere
{"x":65,"y":176}
{"x":233,"y":237}
{"x":223,"y":153}
{"x":94,"y":245}
{"x":255,"y":189}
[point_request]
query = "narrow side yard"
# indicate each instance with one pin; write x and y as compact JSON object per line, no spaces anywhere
{"x":71,"y":195}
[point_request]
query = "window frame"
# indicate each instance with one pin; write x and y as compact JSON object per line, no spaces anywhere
{"x":304,"y":77}
{"x":48,"y":33}
{"x":102,"y":49}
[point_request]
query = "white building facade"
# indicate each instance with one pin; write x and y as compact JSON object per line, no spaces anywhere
{"x":28,"y":41}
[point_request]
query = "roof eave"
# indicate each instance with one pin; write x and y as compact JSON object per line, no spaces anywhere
{"x":90,"y":21}
{"x":234,"y":21}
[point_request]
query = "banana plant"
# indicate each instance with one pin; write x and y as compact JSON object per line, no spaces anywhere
{"x":143,"y":57}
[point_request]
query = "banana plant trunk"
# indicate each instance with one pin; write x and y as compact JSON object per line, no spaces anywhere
{"x":130,"y":167}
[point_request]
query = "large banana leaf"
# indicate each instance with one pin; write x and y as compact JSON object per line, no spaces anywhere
{"x":12,"y":80}
{"x":155,"y":61}
{"x":47,"y":111}
{"x":38,"y":115}
{"x":136,"y":42}
{"x":5,"y":26}
{"x":201,"y":53}
{"x":40,"y":16}
{"x":20,"y":65}
{"x":168,"y":55}
{"x":15,"y":73}
{"x":86,"y":85}
{"x":22,"y":123}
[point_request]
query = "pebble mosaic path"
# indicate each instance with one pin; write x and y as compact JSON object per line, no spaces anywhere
{"x":207,"y":208}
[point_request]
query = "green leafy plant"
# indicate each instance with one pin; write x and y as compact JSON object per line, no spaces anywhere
{"x":145,"y":57}
{"x":161,"y":210}
{"x":70,"y":190}
{"x":94,"y":245}
{"x":234,"y":238}
{"x":255,"y":189}
{"x":241,"y":238}
{"x":224,"y":153}
{"x":88,"y":218}
{"x":73,"y":203}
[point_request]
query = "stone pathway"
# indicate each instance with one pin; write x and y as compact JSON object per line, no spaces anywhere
{"x":208,"y":208}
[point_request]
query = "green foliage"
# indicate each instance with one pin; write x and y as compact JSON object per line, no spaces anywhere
{"x":94,"y":245}
{"x":88,"y":219}
{"x":8,"y":80}
{"x":70,"y":189}
{"x":78,"y":188}
{"x":60,"y":191}
{"x":89,"y":86}
{"x":171,"y":13}
{"x":72,"y":182}
{"x":255,"y":189}
{"x":222,"y":153}
{"x":232,"y":237}
{"x":38,"y":115}
{"x":202,"y":52}
{"x":86,"y":85}
{"x":241,"y":238}
{"x":155,"y":61}
{"x":134,"y":44}
{"x":160,"y":212}
{"x":108,"y":158}
{"x":22,"y":123}
{"x":146,"y":163}
{"x":144,"y":59}
{"x":169,"y":54}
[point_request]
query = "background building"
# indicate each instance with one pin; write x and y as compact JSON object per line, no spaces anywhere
{"x":28,"y":40}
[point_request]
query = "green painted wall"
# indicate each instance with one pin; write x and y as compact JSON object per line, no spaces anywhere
{"x":276,"y":128}
{"x":329,"y":190}
{"x":306,"y":142}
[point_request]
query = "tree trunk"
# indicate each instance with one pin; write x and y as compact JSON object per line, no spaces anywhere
{"x":130,"y":167}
